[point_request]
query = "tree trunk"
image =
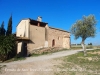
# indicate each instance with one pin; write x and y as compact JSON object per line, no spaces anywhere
{"x":84,"y":48}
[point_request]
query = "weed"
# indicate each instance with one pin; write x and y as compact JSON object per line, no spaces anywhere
{"x":16,"y":59}
{"x":1,"y":66}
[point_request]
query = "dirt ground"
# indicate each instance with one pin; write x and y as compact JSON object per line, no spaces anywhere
{"x":48,"y":67}
{"x":41,"y":65}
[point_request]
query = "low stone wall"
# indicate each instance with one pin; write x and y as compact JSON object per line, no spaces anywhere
{"x":46,"y":50}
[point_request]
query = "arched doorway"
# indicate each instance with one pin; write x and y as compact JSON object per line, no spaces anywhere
{"x":53,"y":42}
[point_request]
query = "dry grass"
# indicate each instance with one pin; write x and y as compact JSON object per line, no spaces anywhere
{"x":77,"y":64}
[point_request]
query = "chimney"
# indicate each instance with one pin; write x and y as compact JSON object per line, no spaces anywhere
{"x":39,"y":19}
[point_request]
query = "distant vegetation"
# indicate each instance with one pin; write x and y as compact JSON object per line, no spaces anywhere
{"x":75,"y":47}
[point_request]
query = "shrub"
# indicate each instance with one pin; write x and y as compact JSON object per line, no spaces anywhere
{"x":7,"y":47}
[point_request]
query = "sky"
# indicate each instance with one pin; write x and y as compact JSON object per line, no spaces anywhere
{"x":57,"y":13}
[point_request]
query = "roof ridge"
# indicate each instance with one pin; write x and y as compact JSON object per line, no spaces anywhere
{"x":59,"y":29}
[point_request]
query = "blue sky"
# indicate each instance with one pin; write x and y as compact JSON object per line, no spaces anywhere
{"x":58,"y":13}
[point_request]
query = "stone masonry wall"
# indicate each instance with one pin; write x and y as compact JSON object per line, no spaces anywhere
{"x":58,"y":36}
{"x":37,"y":37}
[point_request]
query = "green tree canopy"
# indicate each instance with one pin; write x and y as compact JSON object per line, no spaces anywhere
{"x":7,"y":42}
{"x":84,"y":28}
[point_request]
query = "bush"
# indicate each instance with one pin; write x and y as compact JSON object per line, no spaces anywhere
{"x":7,"y":47}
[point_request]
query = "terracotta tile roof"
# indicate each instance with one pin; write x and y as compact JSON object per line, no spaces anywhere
{"x":59,"y":29}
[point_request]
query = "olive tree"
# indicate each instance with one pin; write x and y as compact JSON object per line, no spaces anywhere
{"x":84,"y":28}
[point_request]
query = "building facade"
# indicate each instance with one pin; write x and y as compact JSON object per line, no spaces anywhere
{"x":35,"y":34}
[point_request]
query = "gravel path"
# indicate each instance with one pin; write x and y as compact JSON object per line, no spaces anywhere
{"x":44,"y":57}
{"x":41,"y":65}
